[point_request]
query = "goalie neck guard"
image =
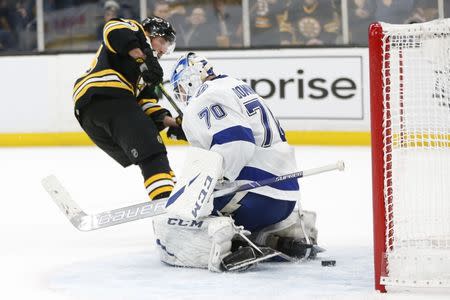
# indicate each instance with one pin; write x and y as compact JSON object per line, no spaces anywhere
{"x":188,"y":74}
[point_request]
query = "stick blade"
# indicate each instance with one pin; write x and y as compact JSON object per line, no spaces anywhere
{"x":63,"y":200}
{"x":341,"y":165}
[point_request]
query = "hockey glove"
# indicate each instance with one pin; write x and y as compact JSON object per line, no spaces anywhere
{"x":179,"y":120}
{"x":158,"y":118}
{"x":176,"y":133}
{"x":151,"y":70}
{"x":148,"y":101}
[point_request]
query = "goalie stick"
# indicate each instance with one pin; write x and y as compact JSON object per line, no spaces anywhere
{"x":88,"y":222}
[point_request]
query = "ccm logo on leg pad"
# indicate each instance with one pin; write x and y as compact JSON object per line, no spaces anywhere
{"x":201,"y":197}
{"x":183,"y":223}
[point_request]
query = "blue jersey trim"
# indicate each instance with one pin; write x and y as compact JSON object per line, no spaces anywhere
{"x":233,"y":134}
{"x":219,"y":76}
{"x":255,"y":174}
{"x":158,"y":242}
{"x":175,"y":196}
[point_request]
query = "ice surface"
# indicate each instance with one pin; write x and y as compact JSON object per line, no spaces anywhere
{"x":43,"y":257}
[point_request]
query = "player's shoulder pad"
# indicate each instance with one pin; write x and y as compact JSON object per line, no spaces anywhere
{"x":202,"y":89}
{"x":210,"y":89}
{"x":120,"y":23}
{"x":202,"y":98}
{"x":137,"y":24}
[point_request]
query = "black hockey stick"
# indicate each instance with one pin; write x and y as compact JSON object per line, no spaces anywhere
{"x":86,"y":222}
{"x":143,"y":67}
{"x":172,"y":102}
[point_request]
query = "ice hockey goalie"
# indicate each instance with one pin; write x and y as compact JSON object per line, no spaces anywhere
{"x":235,"y":139}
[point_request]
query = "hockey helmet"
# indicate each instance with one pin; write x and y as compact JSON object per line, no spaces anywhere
{"x":157,"y":26}
{"x":188,"y":74}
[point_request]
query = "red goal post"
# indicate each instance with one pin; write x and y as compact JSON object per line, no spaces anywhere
{"x":410,"y":133}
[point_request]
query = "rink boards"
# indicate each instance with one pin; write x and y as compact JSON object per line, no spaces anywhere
{"x":321,"y":96}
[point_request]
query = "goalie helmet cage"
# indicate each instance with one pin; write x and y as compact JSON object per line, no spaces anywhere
{"x":410,"y":132}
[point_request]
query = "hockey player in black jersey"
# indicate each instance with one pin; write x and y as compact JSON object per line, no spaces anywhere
{"x":121,"y":118}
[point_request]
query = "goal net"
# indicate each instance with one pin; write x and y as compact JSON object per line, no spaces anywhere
{"x":410,"y":126}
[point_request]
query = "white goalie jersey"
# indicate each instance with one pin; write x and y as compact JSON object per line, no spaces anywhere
{"x":228,"y":117}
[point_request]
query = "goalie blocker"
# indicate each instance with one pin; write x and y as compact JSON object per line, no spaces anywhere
{"x":194,"y":234}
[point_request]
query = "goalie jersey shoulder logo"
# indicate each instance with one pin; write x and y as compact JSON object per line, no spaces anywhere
{"x":201,"y":89}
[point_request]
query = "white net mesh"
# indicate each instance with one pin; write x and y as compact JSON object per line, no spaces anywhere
{"x":416,"y":68}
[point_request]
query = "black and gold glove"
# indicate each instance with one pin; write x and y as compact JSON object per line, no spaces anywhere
{"x":148,"y":101}
{"x":176,"y":133}
{"x":151,"y":70}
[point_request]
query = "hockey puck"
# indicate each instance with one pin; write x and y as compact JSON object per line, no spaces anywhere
{"x":328,"y":263}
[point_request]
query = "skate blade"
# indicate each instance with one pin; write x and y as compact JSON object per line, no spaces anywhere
{"x":245,"y":265}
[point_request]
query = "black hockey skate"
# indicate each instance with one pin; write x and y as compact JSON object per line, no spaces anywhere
{"x":298,"y":249}
{"x":245,"y":256}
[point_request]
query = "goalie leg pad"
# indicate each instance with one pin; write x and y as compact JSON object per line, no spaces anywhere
{"x":198,"y":244}
{"x":291,"y":227}
{"x":295,"y":236}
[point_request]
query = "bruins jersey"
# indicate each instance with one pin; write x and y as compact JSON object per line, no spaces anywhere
{"x":113,"y":73}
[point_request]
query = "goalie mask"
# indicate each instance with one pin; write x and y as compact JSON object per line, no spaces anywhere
{"x":189,"y":73}
{"x":157,"y":26}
